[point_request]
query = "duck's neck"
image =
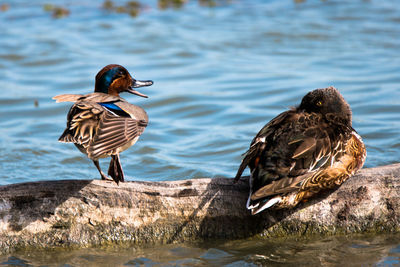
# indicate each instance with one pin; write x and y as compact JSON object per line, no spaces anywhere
{"x":102,"y":85}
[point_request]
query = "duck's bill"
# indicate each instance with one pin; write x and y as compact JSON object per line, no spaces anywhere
{"x":137,"y":84}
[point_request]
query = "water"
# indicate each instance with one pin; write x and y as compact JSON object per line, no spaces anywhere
{"x":332,"y":251}
{"x":220,"y":74}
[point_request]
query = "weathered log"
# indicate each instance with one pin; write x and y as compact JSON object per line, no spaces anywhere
{"x":81,"y":213}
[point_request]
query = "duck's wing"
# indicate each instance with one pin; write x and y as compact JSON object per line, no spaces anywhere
{"x":302,"y":147}
{"x":93,"y":97}
{"x":101,"y":128}
{"x":257,"y":146}
{"x":117,"y":129}
{"x":82,"y":122}
{"x":67,"y":98}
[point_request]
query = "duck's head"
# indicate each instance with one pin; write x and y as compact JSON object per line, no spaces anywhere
{"x":325,"y":101}
{"x":114,"y":79}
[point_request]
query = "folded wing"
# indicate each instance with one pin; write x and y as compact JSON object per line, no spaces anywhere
{"x":100,"y":128}
{"x":288,"y":151}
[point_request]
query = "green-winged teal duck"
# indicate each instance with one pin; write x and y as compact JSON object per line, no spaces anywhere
{"x":302,"y":152}
{"x":103,"y":124}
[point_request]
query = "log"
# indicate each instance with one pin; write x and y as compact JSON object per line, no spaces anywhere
{"x":83,"y":213}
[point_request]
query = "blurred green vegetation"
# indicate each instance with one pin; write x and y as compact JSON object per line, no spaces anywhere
{"x":4,"y":7}
{"x":164,"y":4}
{"x":56,"y":11}
{"x":132,"y":8}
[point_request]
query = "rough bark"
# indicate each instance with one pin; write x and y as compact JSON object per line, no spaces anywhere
{"x":80,"y":213}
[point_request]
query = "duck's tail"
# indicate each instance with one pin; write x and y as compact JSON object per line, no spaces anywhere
{"x":115,"y":169}
{"x":260,"y":205}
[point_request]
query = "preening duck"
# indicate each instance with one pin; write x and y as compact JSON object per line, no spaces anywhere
{"x":303,"y":151}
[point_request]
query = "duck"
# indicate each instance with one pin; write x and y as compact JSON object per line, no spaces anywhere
{"x":103,"y":124}
{"x":306,"y":150}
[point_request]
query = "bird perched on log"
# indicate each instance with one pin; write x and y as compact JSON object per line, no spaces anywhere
{"x":103,"y":124}
{"x":303,"y":151}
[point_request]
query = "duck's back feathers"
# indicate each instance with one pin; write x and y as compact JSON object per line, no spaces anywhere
{"x":102,"y":125}
{"x":289,"y":154}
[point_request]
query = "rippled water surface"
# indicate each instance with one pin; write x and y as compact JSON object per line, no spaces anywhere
{"x":333,"y":251}
{"x":220,"y":74}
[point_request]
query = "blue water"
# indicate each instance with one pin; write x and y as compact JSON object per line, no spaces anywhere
{"x":220,"y":74}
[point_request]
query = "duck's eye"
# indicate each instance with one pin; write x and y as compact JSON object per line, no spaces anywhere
{"x":120,"y":73}
{"x":319,"y":103}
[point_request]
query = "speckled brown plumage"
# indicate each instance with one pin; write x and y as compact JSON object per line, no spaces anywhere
{"x":302,"y":152}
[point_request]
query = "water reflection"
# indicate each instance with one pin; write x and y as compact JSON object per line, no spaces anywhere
{"x":331,"y":251}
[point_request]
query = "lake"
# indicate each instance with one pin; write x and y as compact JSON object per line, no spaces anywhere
{"x":221,"y":70}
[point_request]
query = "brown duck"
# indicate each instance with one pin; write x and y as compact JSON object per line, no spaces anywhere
{"x":103,"y":124}
{"x":303,"y":151}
